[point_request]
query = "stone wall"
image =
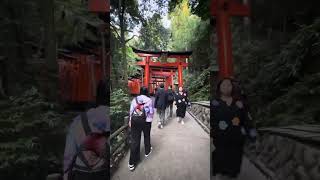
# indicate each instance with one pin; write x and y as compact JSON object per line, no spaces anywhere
{"x":288,"y":153}
{"x":201,"y":112}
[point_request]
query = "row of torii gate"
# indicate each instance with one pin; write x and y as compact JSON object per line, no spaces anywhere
{"x":154,"y":72}
{"x":223,"y":10}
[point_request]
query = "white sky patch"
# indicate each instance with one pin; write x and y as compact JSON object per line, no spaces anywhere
{"x":166,"y":21}
{"x":136,"y":31}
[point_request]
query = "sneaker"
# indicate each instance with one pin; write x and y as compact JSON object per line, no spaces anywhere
{"x":159,"y":125}
{"x":131,"y":167}
{"x":146,"y":155}
{"x":182,"y":122}
{"x":178,"y":120}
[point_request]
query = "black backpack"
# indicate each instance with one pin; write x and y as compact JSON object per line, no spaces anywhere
{"x":170,"y":96}
{"x":139,"y":113}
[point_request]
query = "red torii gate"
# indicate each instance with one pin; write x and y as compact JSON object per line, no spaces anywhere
{"x":223,"y":10}
{"x":159,"y":69}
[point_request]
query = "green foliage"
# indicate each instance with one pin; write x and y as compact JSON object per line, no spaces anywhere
{"x":153,"y":36}
{"x":133,"y":69}
{"x":73,"y":20}
{"x":119,"y":108}
{"x":183,"y":26}
{"x":299,"y":105}
{"x":199,"y":86}
{"x":281,"y":83}
{"x":31,"y":137}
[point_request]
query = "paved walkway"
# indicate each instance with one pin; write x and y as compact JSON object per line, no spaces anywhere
{"x":180,"y":152}
{"x":248,"y":172}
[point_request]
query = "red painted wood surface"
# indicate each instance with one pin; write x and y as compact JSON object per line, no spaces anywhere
{"x":224,"y":10}
{"x":134,"y":86}
{"x":78,"y":78}
{"x":99,"y":6}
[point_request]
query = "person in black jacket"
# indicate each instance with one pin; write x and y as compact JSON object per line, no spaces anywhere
{"x":170,"y":100}
{"x":161,"y":104}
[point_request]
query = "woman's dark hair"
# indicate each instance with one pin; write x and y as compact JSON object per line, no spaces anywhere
{"x":218,"y":92}
{"x":162,"y":85}
{"x":103,"y":93}
{"x":144,"y":91}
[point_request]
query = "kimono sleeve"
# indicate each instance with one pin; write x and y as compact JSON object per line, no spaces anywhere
{"x":213,"y":118}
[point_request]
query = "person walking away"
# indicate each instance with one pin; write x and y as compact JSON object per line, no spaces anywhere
{"x":181,"y":103}
{"x":161,"y":104}
{"x":141,"y":116}
{"x":227,"y":119}
{"x":87,"y":151}
{"x":170,"y":100}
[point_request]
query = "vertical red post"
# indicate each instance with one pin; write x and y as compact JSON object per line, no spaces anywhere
{"x":223,"y":10}
{"x":180,"y":78}
{"x":224,"y":40}
{"x":147,"y":72}
{"x":171,"y":78}
{"x":99,"y":6}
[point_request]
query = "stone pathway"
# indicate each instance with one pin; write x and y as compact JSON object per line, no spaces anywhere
{"x":180,"y":152}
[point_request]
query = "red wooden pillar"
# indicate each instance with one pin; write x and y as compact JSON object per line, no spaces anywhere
{"x":99,"y":6}
{"x":223,"y":10}
{"x":180,"y":78}
{"x":147,"y":72}
{"x":224,"y":44}
{"x":168,"y":81}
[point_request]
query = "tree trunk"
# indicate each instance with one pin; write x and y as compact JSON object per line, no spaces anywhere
{"x":10,"y":63}
{"x":50,"y":69}
{"x":123,"y":41}
{"x":246,"y":22}
{"x":2,"y":90}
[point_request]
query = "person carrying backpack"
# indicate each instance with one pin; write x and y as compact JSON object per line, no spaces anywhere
{"x":87,"y":151}
{"x":170,"y":100}
{"x":140,"y":119}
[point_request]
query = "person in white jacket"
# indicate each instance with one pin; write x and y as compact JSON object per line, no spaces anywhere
{"x":140,"y":119}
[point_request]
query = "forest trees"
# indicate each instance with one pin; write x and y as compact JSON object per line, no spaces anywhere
{"x":33,"y":125}
{"x":125,"y":16}
{"x":153,"y":35}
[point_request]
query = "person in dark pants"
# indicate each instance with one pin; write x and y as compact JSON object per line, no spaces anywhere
{"x":87,"y":150}
{"x":141,"y":116}
{"x":170,"y":100}
{"x":228,"y":117}
{"x":161,"y":104}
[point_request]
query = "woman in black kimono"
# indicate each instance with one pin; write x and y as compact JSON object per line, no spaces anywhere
{"x":182,"y":101}
{"x":228,"y":119}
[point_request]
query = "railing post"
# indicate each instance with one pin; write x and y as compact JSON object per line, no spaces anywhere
{"x":125,"y":120}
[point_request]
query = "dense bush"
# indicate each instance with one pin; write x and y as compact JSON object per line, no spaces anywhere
{"x":119,"y":108}
{"x":32,"y":137}
{"x":198,"y":86}
{"x":282,"y":83}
